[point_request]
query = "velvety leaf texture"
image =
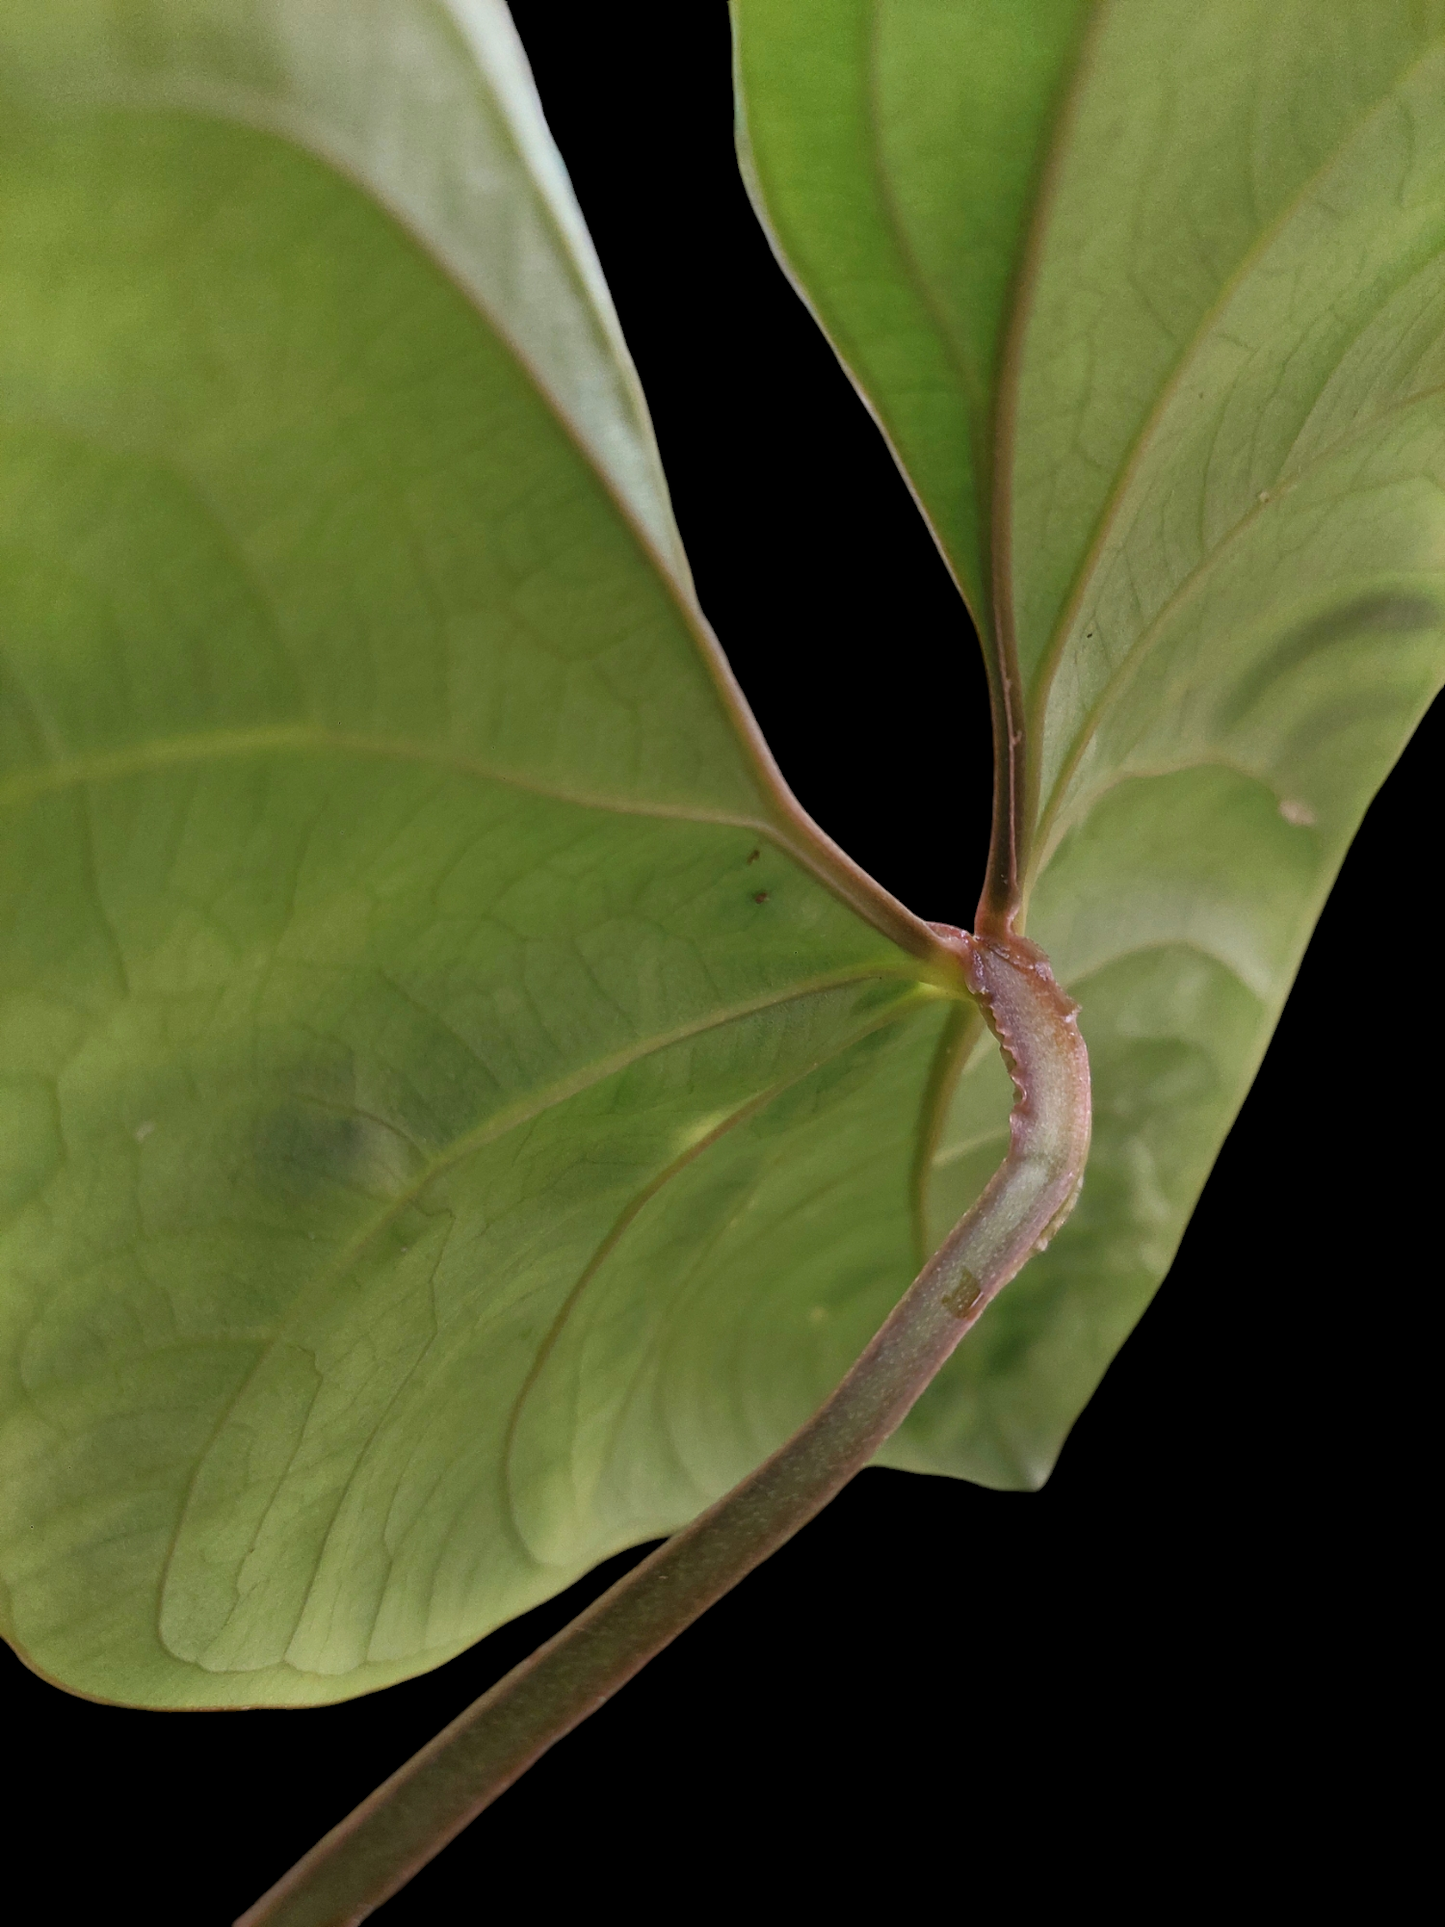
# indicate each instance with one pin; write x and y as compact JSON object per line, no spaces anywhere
{"x":456,"y":1113}
{"x":1214,"y":511}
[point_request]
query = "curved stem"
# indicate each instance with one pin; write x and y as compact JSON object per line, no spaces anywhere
{"x":410,"y":1818}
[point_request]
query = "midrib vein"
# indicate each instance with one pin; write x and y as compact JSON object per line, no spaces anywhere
{"x":299,"y":739}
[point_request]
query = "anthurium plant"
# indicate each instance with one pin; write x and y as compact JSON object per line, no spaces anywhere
{"x":462,"y":1117}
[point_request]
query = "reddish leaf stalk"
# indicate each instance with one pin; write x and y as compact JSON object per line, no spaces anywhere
{"x":427,"y":1802}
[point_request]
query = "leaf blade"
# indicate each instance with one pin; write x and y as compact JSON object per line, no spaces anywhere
{"x":914,"y":300}
{"x":1223,"y":546}
{"x":397,"y":891}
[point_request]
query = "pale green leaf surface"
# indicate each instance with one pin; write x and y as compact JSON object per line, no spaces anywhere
{"x":1221,"y":490}
{"x":894,"y":150}
{"x":455,"y":1114}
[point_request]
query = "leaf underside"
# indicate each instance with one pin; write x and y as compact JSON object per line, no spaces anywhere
{"x":456,"y":1115}
{"x":1150,"y":302}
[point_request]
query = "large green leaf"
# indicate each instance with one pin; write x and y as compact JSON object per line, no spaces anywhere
{"x":1150,"y":300}
{"x":458,"y":1115}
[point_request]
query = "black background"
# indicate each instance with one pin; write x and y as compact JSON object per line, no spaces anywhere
{"x":1194,"y":1637}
